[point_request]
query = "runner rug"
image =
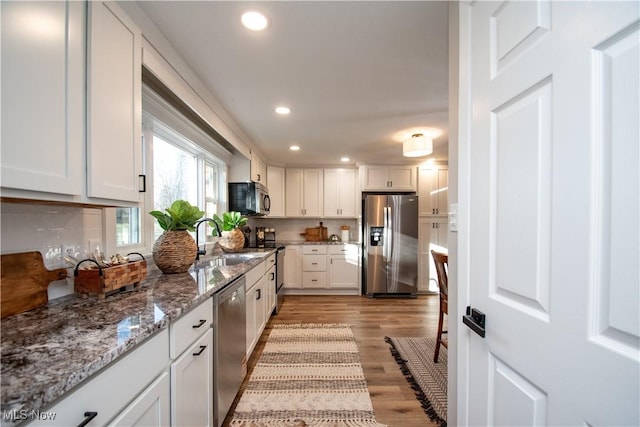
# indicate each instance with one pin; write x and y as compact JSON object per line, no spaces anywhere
{"x":307,"y":375}
{"x":428,"y":379}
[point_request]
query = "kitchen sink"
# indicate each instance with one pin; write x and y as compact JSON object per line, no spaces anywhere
{"x":230,"y":259}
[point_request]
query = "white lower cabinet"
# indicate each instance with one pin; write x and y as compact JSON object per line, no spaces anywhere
{"x":192,"y":384}
{"x":191,"y":351}
{"x":150,"y":408}
{"x":292,"y":270}
{"x":344,"y":262}
{"x":432,"y":234}
{"x":114,"y":392}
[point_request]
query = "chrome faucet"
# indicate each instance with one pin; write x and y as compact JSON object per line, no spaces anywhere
{"x":204,"y":251}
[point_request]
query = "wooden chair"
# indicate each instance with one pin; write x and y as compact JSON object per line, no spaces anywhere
{"x":441,"y":261}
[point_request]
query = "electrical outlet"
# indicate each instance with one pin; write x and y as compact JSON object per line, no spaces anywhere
{"x":68,"y":250}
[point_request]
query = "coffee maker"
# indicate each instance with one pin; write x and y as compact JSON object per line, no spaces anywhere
{"x":265,"y":237}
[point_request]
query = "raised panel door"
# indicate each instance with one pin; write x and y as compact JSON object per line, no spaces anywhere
{"x":43,"y":98}
{"x":192,"y":384}
{"x":313,"y":192}
{"x":114,"y":106}
{"x":150,"y":409}
{"x":276,"y":185}
{"x":294,"y":188}
{"x":402,"y":177}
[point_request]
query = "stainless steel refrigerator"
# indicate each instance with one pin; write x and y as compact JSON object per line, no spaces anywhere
{"x":390,"y":244}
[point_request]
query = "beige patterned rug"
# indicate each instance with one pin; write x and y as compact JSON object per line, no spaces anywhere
{"x":307,"y":375}
{"x":428,"y":379}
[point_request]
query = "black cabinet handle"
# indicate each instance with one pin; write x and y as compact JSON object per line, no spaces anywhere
{"x":202,"y":348}
{"x":259,"y":294}
{"x":200,"y":323}
{"x":88,"y":416}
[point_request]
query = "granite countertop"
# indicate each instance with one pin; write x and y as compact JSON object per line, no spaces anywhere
{"x":48,"y":351}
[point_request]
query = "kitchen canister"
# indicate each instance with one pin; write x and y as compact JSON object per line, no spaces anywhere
{"x":344,"y":235}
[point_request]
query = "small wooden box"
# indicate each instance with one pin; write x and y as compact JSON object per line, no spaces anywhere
{"x":102,"y":280}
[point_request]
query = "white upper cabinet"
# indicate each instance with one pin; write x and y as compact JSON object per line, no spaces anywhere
{"x":258,"y":169}
{"x":43,"y":97}
{"x":304,"y":192}
{"x":114,"y":108}
{"x":389,"y":178}
{"x":433,"y":192}
{"x":340,"y":192}
{"x":275,"y":183}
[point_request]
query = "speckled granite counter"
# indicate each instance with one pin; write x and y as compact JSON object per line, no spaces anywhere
{"x":48,"y":351}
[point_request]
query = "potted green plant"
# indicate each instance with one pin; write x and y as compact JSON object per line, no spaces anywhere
{"x":175,"y":250}
{"x":228,"y":228}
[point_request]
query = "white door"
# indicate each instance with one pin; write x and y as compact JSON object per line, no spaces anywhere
{"x":551,"y":165}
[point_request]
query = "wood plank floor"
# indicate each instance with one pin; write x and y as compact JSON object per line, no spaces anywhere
{"x":394,"y":402}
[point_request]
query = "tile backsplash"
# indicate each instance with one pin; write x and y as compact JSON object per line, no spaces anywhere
{"x":50,"y":229}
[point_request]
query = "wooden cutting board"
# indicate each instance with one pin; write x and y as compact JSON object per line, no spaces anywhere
{"x":24,"y":284}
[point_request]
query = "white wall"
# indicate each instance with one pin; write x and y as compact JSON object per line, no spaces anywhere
{"x":49,"y":229}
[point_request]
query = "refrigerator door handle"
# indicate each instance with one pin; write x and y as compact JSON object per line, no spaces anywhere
{"x":385,"y":234}
{"x":389,"y":241}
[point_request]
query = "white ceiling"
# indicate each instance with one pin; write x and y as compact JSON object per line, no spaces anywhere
{"x":356,"y":75}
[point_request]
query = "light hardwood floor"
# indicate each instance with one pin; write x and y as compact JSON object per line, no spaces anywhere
{"x":394,"y":402}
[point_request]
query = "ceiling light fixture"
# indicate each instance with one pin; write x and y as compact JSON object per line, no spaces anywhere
{"x":344,"y":159}
{"x":283,"y":110}
{"x":417,"y":146}
{"x":254,"y":20}
{"x":294,"y":148}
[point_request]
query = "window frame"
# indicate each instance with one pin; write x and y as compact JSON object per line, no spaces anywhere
{"x":160,"y":118}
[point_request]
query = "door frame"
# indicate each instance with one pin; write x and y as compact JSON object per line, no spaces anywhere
{"x":459,"y":194}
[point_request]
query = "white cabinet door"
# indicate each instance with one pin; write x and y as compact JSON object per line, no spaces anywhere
{"x":432,"y":234}
{"x":303,"y":192}
{"x":251,"y":303}
{"x":270,"y":294}
{"x":389,"y":178}
{"x":275,"y":183}
{"x":343,"y":272}
{"x":114,"y":388}
{"x":43,"y":97}
{"x":292,"y":271}
{"x":150,"y":408}
{"x":433,"y":190}
{"x":340,"y":192}
{"x":294,"y":188}
{"x":114,"y":109}
{"x":258,"y":170}
{"x":192,"y":384}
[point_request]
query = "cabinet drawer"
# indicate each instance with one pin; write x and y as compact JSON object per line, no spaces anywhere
{"x":314,"y":263}
{"x":112,"y":390}
{"x":351,"y":250}
{"x":270,"y":262}
{"x":189,"y":328}
{"x":314,"y":279}
{"x":253,"y":275}
{"x":314,"y":249}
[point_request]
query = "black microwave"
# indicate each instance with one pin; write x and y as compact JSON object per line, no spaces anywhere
{"x":249,"y":198}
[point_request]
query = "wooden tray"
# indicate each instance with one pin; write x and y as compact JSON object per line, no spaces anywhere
{"x":102,"y":280}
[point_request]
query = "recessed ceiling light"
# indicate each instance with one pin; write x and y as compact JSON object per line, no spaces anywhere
{"x":344,"y":159}
{"x":254,"y":20}
{"x":283,"y":110}
{"x":294,"y":148}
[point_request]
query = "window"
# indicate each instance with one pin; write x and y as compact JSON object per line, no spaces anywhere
{"x":181,"y":162}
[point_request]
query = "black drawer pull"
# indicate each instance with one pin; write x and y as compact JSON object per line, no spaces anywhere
{"x":202,"y":348}
{"x":200,"y":323}
{"x":88,"y":416}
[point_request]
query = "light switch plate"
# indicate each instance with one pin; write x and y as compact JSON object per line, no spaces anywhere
{"x":453,"y":217}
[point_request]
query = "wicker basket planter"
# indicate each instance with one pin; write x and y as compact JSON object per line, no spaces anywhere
{"x":232,"y":241}
{"x":174,"y":251}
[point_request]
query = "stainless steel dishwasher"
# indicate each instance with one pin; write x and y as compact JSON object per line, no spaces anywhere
{"x":229,"y":347}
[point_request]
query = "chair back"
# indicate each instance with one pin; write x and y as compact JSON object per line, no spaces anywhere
{"x":441,"y":261}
